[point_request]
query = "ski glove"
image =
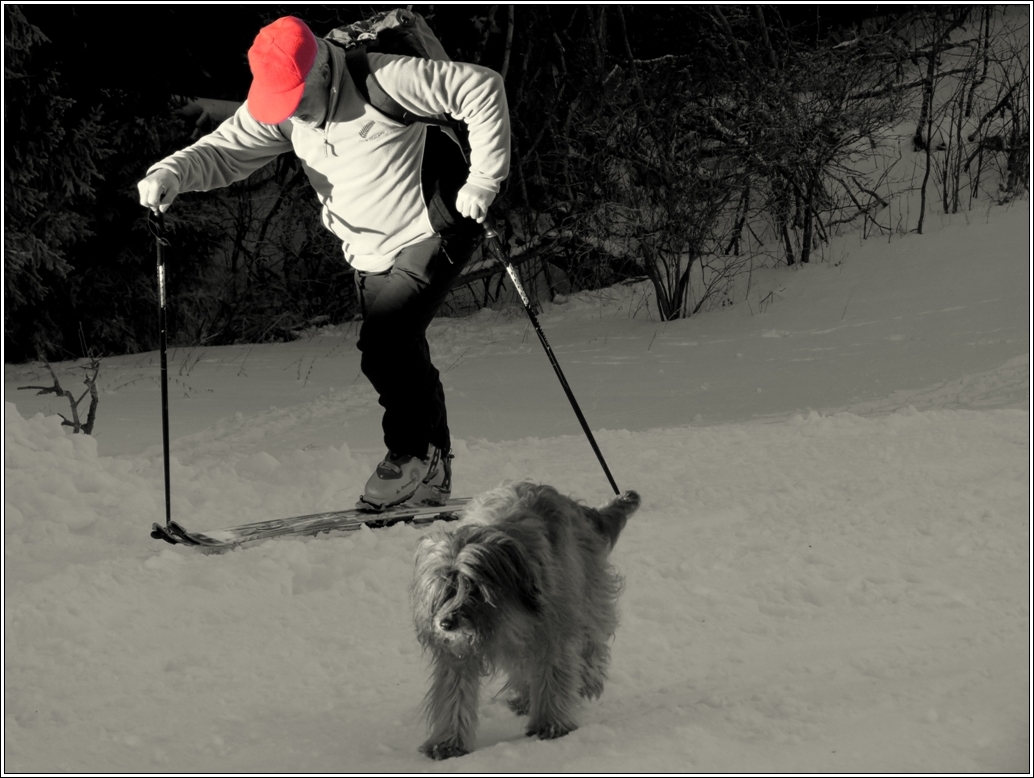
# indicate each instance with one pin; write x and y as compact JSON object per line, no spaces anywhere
{"x":158,"y":190}
{"x":473,"y":201}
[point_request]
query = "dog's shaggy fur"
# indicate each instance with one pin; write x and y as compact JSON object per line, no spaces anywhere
{"x":525,"y":587}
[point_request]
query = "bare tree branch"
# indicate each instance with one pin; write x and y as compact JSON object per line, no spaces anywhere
{"x":91,"y":371}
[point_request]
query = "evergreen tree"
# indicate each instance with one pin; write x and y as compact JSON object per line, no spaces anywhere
{"x":51,"y":171}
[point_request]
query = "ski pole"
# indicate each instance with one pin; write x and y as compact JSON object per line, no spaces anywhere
{"x":159,"y":232}
{"x":493,"y":236}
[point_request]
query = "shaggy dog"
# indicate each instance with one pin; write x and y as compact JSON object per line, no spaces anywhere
{"x":526,"y":588}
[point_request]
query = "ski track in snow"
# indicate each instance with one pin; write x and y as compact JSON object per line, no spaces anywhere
{"x":830,"y":571}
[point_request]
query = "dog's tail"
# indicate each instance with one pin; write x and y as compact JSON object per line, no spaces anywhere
{"x":611,"y":518}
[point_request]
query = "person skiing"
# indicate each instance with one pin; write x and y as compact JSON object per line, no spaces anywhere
{"x":403,"y":200}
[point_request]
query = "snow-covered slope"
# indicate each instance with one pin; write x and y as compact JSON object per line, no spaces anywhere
{"x":830,"y":571}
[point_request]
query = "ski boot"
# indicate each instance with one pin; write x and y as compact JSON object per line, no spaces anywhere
{"x":401,"y":476}
{"x":436,"y":488}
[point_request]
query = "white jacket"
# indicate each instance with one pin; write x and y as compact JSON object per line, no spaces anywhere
{"x":365,"y":166}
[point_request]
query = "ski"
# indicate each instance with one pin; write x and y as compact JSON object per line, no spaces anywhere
{"x":312,"y":524}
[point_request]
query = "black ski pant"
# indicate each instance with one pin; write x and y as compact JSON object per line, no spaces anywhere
{"x":398,"y":306}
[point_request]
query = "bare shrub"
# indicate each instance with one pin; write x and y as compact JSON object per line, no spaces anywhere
{"x":90,"y":371}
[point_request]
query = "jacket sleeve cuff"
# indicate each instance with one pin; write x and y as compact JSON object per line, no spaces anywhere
{"x":488,"y":184}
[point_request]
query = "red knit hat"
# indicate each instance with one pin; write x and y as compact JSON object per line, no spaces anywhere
{"x":280,"y":58}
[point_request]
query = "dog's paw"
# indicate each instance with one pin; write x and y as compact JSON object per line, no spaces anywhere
{"x":550,"y":731}
{"x":519,"y":705}
{"x":444,"y":750}
{"x":592,"y":688}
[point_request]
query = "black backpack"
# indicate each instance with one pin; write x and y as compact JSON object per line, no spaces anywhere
{"x":398,"y":31}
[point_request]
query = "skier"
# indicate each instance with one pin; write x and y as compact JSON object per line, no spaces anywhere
{"x":402,"y":199}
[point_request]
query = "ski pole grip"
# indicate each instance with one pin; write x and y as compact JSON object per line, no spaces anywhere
{"x":491,"y":230}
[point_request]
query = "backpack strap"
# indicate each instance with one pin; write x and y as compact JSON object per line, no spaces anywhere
{"x":372,"y":92}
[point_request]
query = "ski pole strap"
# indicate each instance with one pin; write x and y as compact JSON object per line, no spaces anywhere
{"x":493,"y":236}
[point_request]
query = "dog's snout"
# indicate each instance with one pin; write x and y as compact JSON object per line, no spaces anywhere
{"x":448,"y":622}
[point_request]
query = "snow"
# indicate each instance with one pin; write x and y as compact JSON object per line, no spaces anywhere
{"x":830,"y":571}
